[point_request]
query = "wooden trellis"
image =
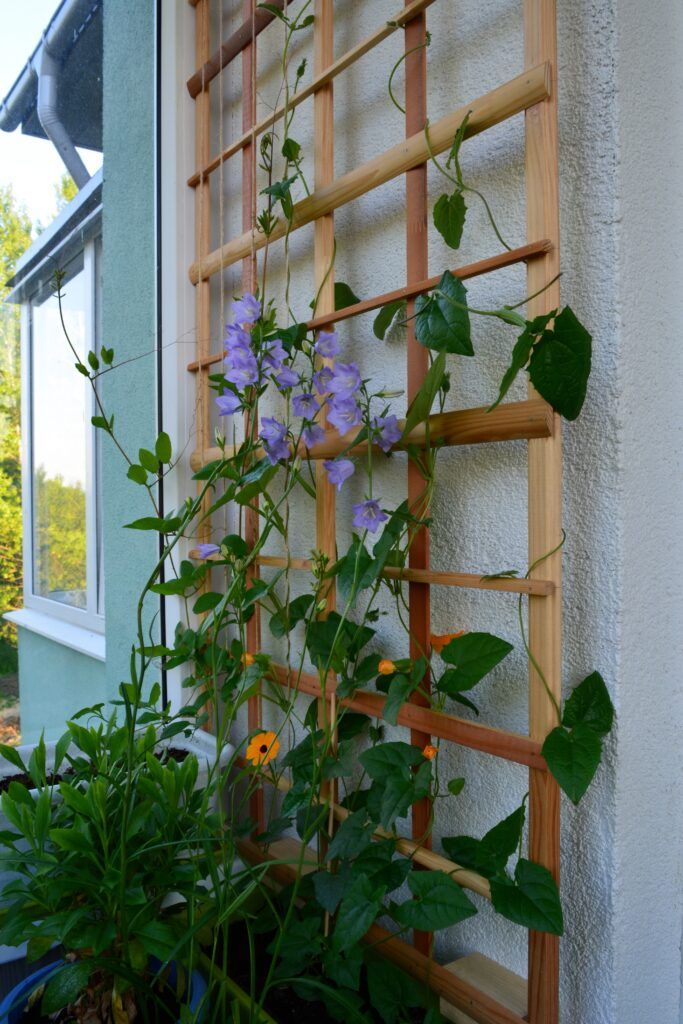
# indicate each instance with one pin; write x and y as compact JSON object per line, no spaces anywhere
{"x":534,"y":91}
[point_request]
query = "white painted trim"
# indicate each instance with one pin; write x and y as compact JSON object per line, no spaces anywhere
{"x":177,"y":246}
{"x":85,"y":641}
{"x":81,"y":620}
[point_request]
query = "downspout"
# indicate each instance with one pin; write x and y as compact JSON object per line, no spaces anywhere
{"x":48,"y":73}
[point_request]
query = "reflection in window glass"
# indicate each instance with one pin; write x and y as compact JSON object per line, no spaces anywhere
{"x":58,"y":409}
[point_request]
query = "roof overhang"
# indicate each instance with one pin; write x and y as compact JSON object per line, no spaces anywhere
{"x":74,"y":38}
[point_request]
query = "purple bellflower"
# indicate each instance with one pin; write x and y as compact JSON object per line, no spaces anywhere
{"x":306,"y":405}
{"x":339,"y":470}
{"x":286,"y":378}
{"x":345,"y":380}
{"x":236,"y":337}
{"x":312,"y":435}
{"x":343,"y":414}
{"x":368,"y":515}
{"x":228,"y":403}
{"x":273,"y":435}
{"x":322,"y":378}
{"x":327,"y":344}
{"x":205,"y":550}
{"x":386,"y":431}
{"x":246,"y":310}
{"x":242,"y":368}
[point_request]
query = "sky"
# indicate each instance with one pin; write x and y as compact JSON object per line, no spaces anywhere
{"x":30,"y":165}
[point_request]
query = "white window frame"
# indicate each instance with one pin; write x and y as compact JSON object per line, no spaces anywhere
{"x":91,"y":618}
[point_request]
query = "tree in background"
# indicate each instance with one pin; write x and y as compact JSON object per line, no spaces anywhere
{"x":65,"y":191}
{"x":15,"y":237}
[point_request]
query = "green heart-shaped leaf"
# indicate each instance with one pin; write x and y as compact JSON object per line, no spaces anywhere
{"x":573,"y":758}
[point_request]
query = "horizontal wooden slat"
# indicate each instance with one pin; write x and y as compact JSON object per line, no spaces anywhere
{"x":330,"y":73}
{"x":285,"y":855}
{"x":486,"y":266}
{"x":477,"y":1004}
{"x":468,"y":580}
{"x":518,"y":94}
{"x":508,"y":745}
{"x":512,"y":421}
{"x":237,"y":42}
{"x":407,"y":847}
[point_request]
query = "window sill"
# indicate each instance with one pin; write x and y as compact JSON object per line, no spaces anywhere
{"x":85,"y":641}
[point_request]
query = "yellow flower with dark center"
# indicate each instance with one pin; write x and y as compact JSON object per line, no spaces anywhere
{"x":438,"y":642}
{"x":262,"y":748}
{"x":386,"y":667}
{"x":247,"y":659}
{"x":430,"y":752}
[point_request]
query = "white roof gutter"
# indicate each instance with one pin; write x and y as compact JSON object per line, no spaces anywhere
{"x":48,"y":79}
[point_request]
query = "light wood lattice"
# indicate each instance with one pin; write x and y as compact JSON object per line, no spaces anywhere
{"x":534,"y":91}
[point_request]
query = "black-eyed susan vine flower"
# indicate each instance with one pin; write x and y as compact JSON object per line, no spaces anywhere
{"x":262,"y":748}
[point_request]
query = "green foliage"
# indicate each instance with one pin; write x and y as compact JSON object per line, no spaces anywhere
{"x":558,"y":360}
{"x":438,"y":902}
{"x":573,"y":750}
{"x":449,"y":218}
{"x":386,"y":316}
{"x":443,"y":322}
{"x":15,"y":237}
{"x":530,"y":899}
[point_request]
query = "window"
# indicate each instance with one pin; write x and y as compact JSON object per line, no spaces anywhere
{"x":62,"y":530}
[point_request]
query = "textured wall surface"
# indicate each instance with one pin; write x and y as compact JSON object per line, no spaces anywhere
{"x":648,"y":897}
{"x":55,"y":682}
{"x":129,"y":313}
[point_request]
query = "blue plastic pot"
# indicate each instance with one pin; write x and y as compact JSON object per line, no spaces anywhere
{"x":14,"y":1003}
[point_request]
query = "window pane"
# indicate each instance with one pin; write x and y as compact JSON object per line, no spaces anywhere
{"x":59,"y":447}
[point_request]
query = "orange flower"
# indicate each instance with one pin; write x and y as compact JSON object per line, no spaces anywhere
{"x":262,"y":748}
{"x":247,"y":659}
{"x":386,"y":667}
{"x":439,"y":642}
{"x":430,"y":752}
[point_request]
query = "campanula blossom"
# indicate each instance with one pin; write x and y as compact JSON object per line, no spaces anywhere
{"x":367,"y":515}
{"x":206,"y":550}
{"x":343,"y":414}
{"x":345,"y":380}
{"x":276,"y":451}
{"x":228,"y":403}
{"x":274,"y":354}
{"x":386,"y":431}
{"x":242,"y":368}
{"x":272,"y":430}
{"x":306,"y":405}
{"x":246,"y":310}
{"x":339,"y":470}
{"x":286,"y":378}
{"x":236,"y":337}
{"x":312,"y":435}
{"x":322,"y":378}
{"x":327,"y":344}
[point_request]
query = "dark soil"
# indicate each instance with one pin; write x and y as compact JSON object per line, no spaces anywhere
{"x":162,"y":1010}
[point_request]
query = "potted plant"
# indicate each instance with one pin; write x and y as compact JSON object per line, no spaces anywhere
{"x":111,"y":870}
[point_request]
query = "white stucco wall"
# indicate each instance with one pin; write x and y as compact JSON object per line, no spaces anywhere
{"x":648,"y":840}
{"x":622,"y":215}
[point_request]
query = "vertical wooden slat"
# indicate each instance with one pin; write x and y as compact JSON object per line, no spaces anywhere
{"x":545,"y":502}
{"x":203,"y":247}
{"x":203,"y":233}
{"x":249,"y":278}
{"x":417,"y":268}
{"x":323,"y":113}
